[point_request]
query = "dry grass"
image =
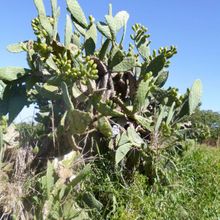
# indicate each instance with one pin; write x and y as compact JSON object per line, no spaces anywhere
{"x":15,"y":179}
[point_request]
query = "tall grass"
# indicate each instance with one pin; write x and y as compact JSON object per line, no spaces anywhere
{"x":193,"y":192}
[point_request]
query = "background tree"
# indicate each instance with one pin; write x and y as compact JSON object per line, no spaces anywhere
{"x":209,"y":122}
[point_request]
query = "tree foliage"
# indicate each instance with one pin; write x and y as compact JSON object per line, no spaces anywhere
{"x":208,"y":122}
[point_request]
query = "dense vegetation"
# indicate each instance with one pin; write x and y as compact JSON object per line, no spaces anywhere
{"x":110,"y":141}
{"x":193,"y":192}
{"x":206,"y":127}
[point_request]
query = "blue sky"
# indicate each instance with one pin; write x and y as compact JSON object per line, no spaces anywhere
{"x":192,"y":26}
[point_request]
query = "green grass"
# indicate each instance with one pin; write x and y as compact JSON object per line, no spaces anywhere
{"x":200,"y":176}
{"x":193,"y":192}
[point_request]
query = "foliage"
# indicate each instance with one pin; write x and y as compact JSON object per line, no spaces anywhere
{"x":193,"y":192}
{"x":83,"y":90}
{"x":95,"y":100}
{"x":55,"y":192}
{"x":46,"y":195}
{"x":209,"y":123}
{"x":29,"y":134}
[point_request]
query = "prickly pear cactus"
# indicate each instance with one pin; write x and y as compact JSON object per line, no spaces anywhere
{"x":83,"y":89}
